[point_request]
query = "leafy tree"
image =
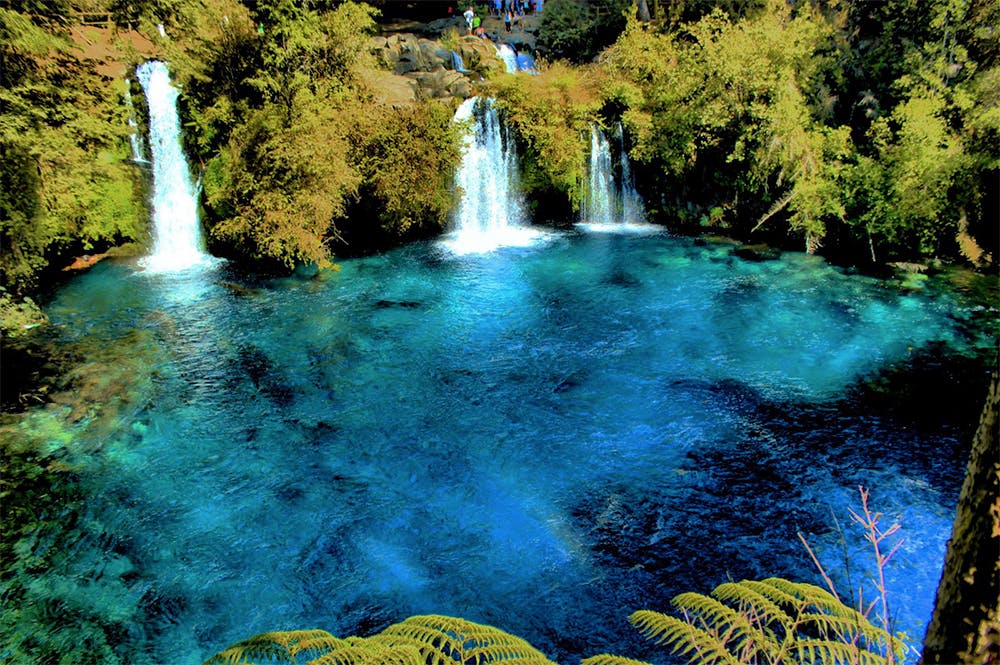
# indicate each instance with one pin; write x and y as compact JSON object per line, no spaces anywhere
{"x":66,"y":183}
{"x":578,"y":30}
{"x":406,"y":157}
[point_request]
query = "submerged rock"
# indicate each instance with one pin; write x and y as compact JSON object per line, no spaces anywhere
{"x":757,"y":252}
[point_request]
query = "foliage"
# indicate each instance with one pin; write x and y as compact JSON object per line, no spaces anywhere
{"x":577,"y":31}
{"x":773,"y":118}
{"x":770,"y":621}
{"x":17,"y":317}
{"x":406,"y":157}
{"x":551,"y":113}
{"x":298,"y":159}
{"x":65,"y":185}
{"x":415,"y":641}
{"x":281,"y":187}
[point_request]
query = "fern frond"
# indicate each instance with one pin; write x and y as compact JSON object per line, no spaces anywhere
{"x":831,"y":652}
{"x":444,"y":640}
{"x":368,"y":653}
{"x":731,"y":626}
{"x":686,"y":638}
{"x":611,"y":659}
{"x":747,"y":594}
{"x":778,"y":593}
{"x":272,"y":647}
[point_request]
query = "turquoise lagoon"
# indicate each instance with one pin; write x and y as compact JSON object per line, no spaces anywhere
{"x":544,"y":439}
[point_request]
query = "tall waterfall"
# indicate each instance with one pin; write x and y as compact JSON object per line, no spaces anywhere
{"x":601,"y":204}
{"x":176,"y":233}
{"x":612,"y":200}
{"x":633,"y":207}
{"x":491,"y":209}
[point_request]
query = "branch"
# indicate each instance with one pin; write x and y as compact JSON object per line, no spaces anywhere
{"x":775,"y":209}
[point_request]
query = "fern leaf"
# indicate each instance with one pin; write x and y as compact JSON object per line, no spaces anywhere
{"x":684,"y":636}
{"x":366,"y":653}
{"x":746,"y":593}
{"x":728,"y":623}
{"x":831,"y":652}
{"x":778,"y":593}
{"x":272,"y":647}
{"x":611,"y":659}
{"x":443,"y":640}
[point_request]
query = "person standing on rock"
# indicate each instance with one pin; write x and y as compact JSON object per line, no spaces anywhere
{"x":469,"y":14}
{"x":507,"y":18}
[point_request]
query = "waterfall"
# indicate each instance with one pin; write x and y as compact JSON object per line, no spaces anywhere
{"x":490,"y":211}
{"x":612,"y":201}
{"x":600,"y":206}
{"x":509,"y":57}
{"x":514,"y":61}
{"x":633,"y":207}
{"x":457,"y":63}
{"x":176,"y":232}
{"x":134,"y":138}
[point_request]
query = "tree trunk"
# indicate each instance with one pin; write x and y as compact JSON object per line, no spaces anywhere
{"x":965,"y":627}
{"x":643,"y":12}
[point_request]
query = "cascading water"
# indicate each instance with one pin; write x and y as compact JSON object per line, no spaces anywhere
{"x":490,"y":212}
{"x":633,"y":207}
{"x":509,"y":57}
{"x":612,"y":200}
{"x":176,"y":232}
{"x":514,"y":61}
{"x":600,"y":205}
{"x":458,"y":64}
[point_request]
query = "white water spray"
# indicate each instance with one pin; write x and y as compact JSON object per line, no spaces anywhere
{"x":176,"y":233}
{"x":600,"y":205}
{"x":491,"y":210}
{"x":612,"y":203}
{"x":509,"y":57}
{"x":633,"y":207}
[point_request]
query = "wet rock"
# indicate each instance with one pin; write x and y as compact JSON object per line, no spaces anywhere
{"x":758,"y":252}
{"x":238,"y":289}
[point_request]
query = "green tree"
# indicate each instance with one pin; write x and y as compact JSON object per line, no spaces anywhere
{"x":67,"y":186}
{"x":577,"y":30}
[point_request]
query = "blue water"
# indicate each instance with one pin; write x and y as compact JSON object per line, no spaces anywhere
{"x":544,"y":439}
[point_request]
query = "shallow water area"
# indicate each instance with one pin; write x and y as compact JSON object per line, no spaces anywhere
{"x":543,"y":438}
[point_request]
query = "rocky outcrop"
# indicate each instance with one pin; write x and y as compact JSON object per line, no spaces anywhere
{"x":424,"y":69}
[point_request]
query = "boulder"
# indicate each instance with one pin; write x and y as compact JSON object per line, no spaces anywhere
{"x":442,"y":83}
{"x":758,"y":252}
{"x":440,"y":26}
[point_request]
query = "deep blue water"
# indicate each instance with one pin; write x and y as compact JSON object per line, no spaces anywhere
{"x":544,"y":439}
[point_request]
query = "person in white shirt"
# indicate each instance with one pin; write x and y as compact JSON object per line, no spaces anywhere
{"x":469,"y":14}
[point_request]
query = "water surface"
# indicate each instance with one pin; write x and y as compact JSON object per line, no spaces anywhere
{"x":544,"y":439}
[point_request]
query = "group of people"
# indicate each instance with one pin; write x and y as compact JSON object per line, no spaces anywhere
{"x":510,"y":10}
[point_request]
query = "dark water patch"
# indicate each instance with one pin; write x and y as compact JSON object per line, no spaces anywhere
{"x":32,"y":367}
{"x":757,"y":252}
{"x":265,"y":376}
{"x":398,"y":304}
{"x":569,"y":382}
{"x":622,"y":278}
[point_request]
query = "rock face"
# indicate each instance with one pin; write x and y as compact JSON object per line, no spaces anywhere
{"x":428,"y":68}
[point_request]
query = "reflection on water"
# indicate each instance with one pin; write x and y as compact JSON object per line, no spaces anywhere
{"x":544,"y":439}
